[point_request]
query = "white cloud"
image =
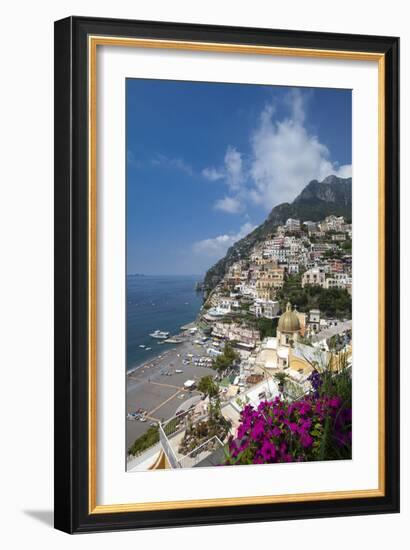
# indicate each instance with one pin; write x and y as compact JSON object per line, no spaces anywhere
{"x":286,"y":157}
{"x":175,"y":163}
{"x":234,"y":168}
{"x":213,"y":174}
{"x":216,"y":248}
{"x":231,"y":205}
{"x":180,"y":164}
{"x":231,"y":171}
{"x":344,"y":171}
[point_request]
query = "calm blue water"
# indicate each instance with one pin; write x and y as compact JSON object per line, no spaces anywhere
{"x":157,"y":302}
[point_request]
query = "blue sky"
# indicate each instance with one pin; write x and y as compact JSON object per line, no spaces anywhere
{"x":207,"y":162}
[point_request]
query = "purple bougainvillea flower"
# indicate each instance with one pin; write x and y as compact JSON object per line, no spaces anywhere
{"x":234,"y":453}
{"x":279,"y":431}
{"x":276,"y":431}
{"x":258,"y":430}
{"x":306,"y":440}
{"x":268,"y":451}
{"x":305,"y":423}
{"x":293,"y":426}
{"x":242,"y":431}
{"x":304,"y":408}
{"x":244,"y":444}
{"x":291,"y":408}
{"x":335,"y":402}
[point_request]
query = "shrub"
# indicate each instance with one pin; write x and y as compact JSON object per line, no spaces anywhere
{"x":150,"y":438}
{"x":227,"y":360}
{"x":207,"y":386}
{"x":267,"y":327}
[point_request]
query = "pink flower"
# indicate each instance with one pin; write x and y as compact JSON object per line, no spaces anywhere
{"x":258,"y":430}
{"x":276,"y":431}
{"x":306,"y":440}
{"x":335,"y":402}
{"x":304,"y":408}
{"x":268,"y":451}
{"x":279,"y":431}
{"x":293,"y":426}
{"x":242,"y":431}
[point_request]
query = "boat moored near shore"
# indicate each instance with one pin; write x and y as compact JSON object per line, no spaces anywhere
{"x":160,"y":334}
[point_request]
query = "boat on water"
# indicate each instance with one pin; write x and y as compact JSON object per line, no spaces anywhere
{"x":142,"y":345}
{"x":147,"y":349}
{"x":173,"y":341}
{"x":160,"y":334}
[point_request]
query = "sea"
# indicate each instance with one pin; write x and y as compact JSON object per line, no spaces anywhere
{"x":163,"y":302}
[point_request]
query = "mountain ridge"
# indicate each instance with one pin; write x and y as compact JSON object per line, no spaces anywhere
{"x":317,"y":200}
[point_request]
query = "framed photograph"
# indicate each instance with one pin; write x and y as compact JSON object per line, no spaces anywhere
{"x":226,"y":274}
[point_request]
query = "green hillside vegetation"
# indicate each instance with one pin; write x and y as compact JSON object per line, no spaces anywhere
{"x":332,"y":302}
{"x":266,"y":327}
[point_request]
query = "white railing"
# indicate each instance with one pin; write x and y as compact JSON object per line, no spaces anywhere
{"x":167,"y":448}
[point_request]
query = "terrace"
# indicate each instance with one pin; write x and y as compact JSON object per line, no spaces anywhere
{"x":171,"y":436}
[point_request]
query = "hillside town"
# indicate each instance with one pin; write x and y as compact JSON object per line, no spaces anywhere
{"x":297,"y":256}
{"x":273,"y":330}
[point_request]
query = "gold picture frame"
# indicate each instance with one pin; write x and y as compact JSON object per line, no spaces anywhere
{"x":85,"y":36}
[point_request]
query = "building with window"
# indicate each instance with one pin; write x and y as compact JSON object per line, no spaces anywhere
{"x":313,"y":277}
{"x":336,"y":265}
{"x":333,"y":223}
{"x":338,"y":280}
{"x":265,"y":308}
{"x":292,"y":225}
{"x":293,"y":268}
{"x":314,"y":320}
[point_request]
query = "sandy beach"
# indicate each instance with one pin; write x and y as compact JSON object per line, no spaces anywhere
{"x":158,"y":389}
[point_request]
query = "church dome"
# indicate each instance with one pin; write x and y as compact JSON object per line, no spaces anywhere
{"x":289,"y":321}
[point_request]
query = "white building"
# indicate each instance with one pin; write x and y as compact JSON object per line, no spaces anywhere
{"x":311,"y":226}
{"x":265,"y":308}
{"x":338,"y":280}
{"x":333,"y":223}
{"x":313,"y":277}
{"x":292,"y":224}
{"x":224,"y":307}
{"x":314,"y":319}
{"x":280,"y":254}
{"x":293,"y":268}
